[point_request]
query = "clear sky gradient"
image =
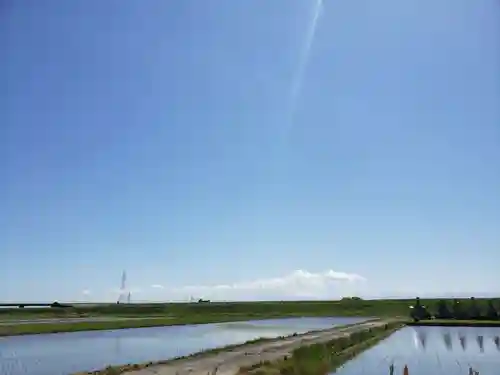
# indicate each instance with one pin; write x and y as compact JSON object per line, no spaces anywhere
{"x":206,"y":149}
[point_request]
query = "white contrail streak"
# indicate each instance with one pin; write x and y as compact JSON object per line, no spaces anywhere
{"x":281,"y":144}
{"x":303,"y":60}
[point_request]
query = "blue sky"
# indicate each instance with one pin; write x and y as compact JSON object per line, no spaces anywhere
{"x":208,"y":148}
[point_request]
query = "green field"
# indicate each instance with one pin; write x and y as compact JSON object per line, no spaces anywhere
{"x":39,"y":328}
{"x":160,"y":314}
{"x":247,"y":309}
{"x":347,"y":307}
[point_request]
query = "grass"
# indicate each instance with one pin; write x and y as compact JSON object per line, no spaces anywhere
{"x":345,"y":307}
{"x":323,"y":358}
{"x":456,"y":323}
{"x":44,"y":328}
{"x":41,"y":328}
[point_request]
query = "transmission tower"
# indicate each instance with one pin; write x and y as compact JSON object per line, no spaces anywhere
{"x":123,"y":289}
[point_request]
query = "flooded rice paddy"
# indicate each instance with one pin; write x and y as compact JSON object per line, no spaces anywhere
{"x":66,"y":353}
{"x":426,"y":350}
{"x":432,"y":351}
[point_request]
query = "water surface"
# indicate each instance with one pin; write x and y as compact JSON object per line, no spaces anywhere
{"x":66,"y":353}
{"x":432,"y":351}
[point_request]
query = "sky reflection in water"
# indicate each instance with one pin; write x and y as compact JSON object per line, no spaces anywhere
{"x":432,"y":351}
{"x":61,"y":354}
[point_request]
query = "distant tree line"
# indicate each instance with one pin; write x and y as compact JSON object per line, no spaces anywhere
{"x":458,"y":310}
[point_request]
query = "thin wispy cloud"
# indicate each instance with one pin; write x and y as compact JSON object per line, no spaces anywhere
{"x":299,"y":284}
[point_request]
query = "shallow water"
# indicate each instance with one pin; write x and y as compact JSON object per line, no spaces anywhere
{"x":65,"y":353}
{"x":432,"y":351}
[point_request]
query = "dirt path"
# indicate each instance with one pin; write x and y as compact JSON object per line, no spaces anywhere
{"x":229,"y":362}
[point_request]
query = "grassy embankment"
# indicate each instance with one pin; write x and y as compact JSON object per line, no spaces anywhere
{"x":13,"y":329}
{"x":456,"y":323}
{"x":323,"y":358}
{"x":161,"y":314}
